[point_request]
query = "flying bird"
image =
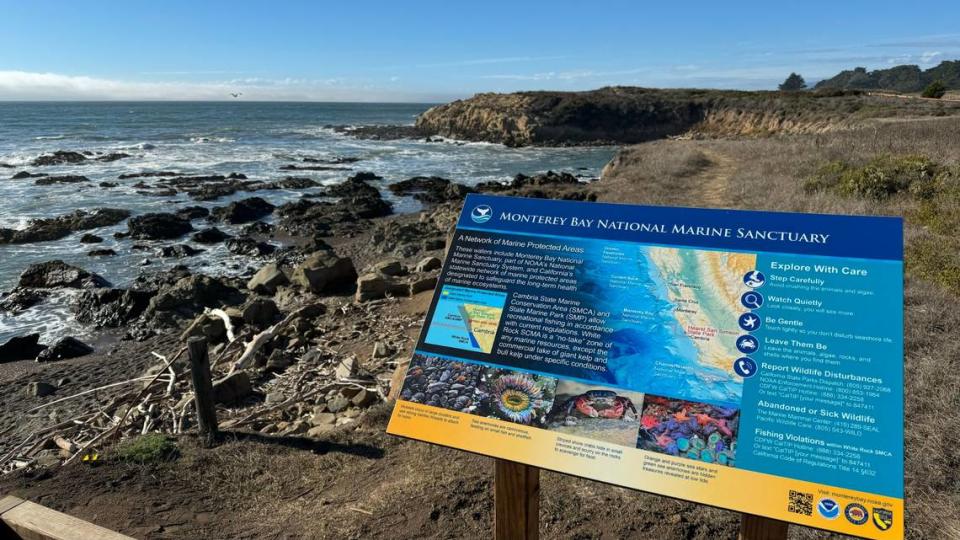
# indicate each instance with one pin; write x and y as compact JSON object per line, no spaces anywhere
{"x":236,"y":94}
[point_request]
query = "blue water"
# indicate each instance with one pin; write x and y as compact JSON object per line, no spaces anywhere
{"x":206,"y":138}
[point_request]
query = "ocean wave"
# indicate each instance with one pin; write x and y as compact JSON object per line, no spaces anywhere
{"x":205,"y":139}
{"x":49,"y":137}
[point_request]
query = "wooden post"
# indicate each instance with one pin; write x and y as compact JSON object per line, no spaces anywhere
{"x":761,"y":528}
{"x":516,"y":501}
{"x":203,"y":390}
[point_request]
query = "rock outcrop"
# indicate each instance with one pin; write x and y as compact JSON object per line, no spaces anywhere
{"x":47,"y":229}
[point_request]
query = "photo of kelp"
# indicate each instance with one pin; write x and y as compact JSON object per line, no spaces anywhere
{"x":689,"y":429}
{"x":441,"y":383}
{"x":596,"y":412}
{"x":522,"y":398}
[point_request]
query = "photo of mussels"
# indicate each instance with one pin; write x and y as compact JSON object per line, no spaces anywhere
{"x":442,"y":383}
{"x":522,"y":398}
{"x":689,"y":429}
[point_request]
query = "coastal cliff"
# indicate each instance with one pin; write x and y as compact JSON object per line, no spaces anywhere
{"x":627,"y":115}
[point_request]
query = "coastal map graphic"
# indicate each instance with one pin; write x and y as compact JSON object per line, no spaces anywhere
{"x":466,"y":319}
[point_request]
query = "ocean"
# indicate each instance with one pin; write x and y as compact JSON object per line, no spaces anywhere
{"x":252,"y":138}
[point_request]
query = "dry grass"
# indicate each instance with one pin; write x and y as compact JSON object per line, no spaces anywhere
{"x":770,"y":175}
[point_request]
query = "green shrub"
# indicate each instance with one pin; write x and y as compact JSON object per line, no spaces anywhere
{"x":935,"y":90}
{"x":931,"y":260}
{"x":880,"y":178}
{"x":149,"y":448}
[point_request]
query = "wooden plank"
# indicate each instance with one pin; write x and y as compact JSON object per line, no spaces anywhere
{"x":516,"y":501}
{"x":9,"y":502}
{"x":32,"y":521}
{"x":203,"y":390}
{"x":761,"y":528}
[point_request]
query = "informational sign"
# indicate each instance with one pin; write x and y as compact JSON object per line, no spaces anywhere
{"x":746,"y":360}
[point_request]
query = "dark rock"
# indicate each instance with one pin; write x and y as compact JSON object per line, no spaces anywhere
{"x":65,"y":179}
{"x":39,"y":389}
{"x":90,"y":239}
{"x":165,"y":192}
{"x":193,"y":212}
{"x":323,"y":270}
{"x":147,"y":174}
{"x":364,"y":398}
{"x":429,"y":263}
{"x":430,"y":189}
{"x":111,"y":308}
{"x":21,"y":348}
{"x":312,"y":168}
{"x":232,"y":388}
{"x":382,"y":132}
{"x":309,"y":218}
{"x":389,"y":268}
{"x":178,"y":251}
{"x":338,"y":160}
{"x":60,"y":157}
{"x":212,"y":235}
{"x":53,"y":274}
{"x":47,"y":229}
{"x":260,"y":312}
{"x":63,"y":349}
{"x":406,"y":239}
{"x":113,"y":156}
{"x":158,"y":226}
{"x":24,"y":174}
{"x":108,"y":184}
{"x":293,"y":182}
{"x":355,"y":186}
{"x":267,"y":279}
{"x":249,"y":246}
{"x":192,"y":293}
{"x":101,"y":253}
{"x":19,"y":300}
{"x":259,"y":227}
{"x":243,"y":211}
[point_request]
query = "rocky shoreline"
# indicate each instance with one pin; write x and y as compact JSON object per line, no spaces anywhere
{"x":344,"y":262}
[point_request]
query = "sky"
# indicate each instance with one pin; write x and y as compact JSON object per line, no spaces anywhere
{"x":425,"y":51}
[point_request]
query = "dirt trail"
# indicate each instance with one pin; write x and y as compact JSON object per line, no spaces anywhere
{"x":715,"y":179}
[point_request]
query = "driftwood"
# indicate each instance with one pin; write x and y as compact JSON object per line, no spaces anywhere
{"x":262,"y":338}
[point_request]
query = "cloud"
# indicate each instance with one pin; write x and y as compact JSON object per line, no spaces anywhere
{"x":26,"y":85}
{"x":928,"y":57}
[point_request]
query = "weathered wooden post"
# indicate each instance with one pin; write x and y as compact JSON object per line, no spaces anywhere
{"x":203,"y":390}
{"x":761,"y":528}
{"x":516,"y":501}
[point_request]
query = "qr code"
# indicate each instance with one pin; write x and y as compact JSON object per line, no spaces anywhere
{"x":800,"y":503}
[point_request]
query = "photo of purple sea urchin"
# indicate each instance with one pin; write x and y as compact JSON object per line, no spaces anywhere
{"x":523,"y":398}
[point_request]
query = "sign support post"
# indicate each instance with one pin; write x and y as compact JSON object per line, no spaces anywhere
{"x":516,"y":501}
{"x":761,"y":528}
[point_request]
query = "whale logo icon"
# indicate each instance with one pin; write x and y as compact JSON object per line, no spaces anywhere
{"x":481,"y":213}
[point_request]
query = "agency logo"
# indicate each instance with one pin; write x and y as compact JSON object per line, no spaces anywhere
{"x":481,"y":213}
{"x":882,"y":518}
{"x":856,"y":513}
{"x":828,"y":508}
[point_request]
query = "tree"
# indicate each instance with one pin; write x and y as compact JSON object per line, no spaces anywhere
{"x":935,"y":90}
{"x":793,"y":83}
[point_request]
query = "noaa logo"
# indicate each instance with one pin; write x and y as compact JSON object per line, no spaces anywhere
{"x":856,"y":513}
{"x":481,"y":213}
{"x":828,"y":508}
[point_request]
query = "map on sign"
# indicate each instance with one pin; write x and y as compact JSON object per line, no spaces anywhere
{"x":466,"y":319}
{"x":688,"y":302}
{"x":707,"y":355}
